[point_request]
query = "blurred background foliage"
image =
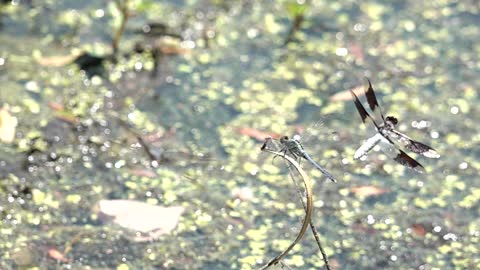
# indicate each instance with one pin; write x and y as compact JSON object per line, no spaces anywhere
{"x":167,"y":102}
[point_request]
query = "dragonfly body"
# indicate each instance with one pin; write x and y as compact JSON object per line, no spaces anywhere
{"x":387,"y":135}
{"x":368,"y":145}
{"x":383,"y":131}
{"x":295,"y":148}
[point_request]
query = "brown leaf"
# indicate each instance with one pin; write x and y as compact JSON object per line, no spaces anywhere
{"x":363,"y":228}
{"x":57,"y":255}
{"x":63,"y":115}
{"x":365,"y":191}
{"x":357,"y":51}
{"x":67,"y":117}
{"x":56,"y":106}
{"x":346,"y":95}
{"x":144,"y":173}
{"x":257,"y":134}
{"x":171,"y":50}
{"x":8,"y":124}
{"x":335,"y":264}
{"x":418,"y":229}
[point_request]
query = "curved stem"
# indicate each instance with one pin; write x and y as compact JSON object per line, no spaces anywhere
{"x":309,"y":205}
{"x":312,"y":227}
{"x":124,"y":13}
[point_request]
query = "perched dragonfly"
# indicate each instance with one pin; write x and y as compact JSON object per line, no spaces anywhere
{"x":386,"y":135}
{"x":294,"y":148}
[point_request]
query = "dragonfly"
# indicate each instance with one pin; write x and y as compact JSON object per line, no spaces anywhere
{"x":294,"y":148}
{"x":293,"y":151}
{"x":386,"y":135}
{"x":308,"y":205}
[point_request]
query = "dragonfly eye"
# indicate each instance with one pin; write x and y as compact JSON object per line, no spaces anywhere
{"x":392,"y":120}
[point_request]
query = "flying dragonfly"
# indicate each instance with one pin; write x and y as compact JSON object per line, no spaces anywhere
{"x":386,"y":135}
{"x":294,"y":148}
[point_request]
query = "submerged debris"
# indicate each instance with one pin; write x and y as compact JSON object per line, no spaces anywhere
{"x":146,"y":220}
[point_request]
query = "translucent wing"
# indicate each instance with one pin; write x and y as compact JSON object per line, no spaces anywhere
{"x":391,"y":150}
{"x":307,"y":135}
{"x":415,"y":146}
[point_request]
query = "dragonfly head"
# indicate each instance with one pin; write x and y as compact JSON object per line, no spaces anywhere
{"x":283,"y":139}
{"x":391,"y":121}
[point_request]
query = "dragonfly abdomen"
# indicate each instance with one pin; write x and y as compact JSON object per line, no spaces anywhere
{"x":320,"y":168}
{"x":368,"y":145}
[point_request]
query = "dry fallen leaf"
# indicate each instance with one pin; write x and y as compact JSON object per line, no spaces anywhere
{"x":171,"y":46}
{"x":62,"y":114}
{"x":356,"y":50}
{"x":57,"y":255}
{"x":257,"y":134}
{"x":346,"y":95}
{"x":365,"y":191}
{"x":150,"y":221}
{"x":363,"y":228}
{"x":67,"y":117}
{"x":143,"y":173}
{"x":58,"y":60}
{"x":56,"y":106}
{"x":418,"y":229}
{"x":335,"y":264}
{"x":8,"y":123}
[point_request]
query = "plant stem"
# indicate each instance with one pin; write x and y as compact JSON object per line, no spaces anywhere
{"x":122,"y":6}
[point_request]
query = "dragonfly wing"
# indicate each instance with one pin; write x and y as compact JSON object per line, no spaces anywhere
{"x":408,"y":161}
{"x":272,"y":144}
{"x":361,"y":110}
{"x":320,"y":168}
{"x":367,"y":146}
{"x":415,"y":146}
{"x":372,"y":99}
{"x":306,"y":136}
{"x":391,"y":150}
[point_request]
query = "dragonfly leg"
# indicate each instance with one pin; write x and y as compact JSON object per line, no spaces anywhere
{"x":284,"y":150}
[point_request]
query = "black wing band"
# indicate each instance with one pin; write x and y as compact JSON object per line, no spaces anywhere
{"x":408,"y":161}
{"x":419,"y":147}
{"x":416,"y":147}
{"x":361,"y":110}
{"x":372,"y":99}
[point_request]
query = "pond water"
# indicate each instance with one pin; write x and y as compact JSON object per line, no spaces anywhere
{"x":177,"y":115}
